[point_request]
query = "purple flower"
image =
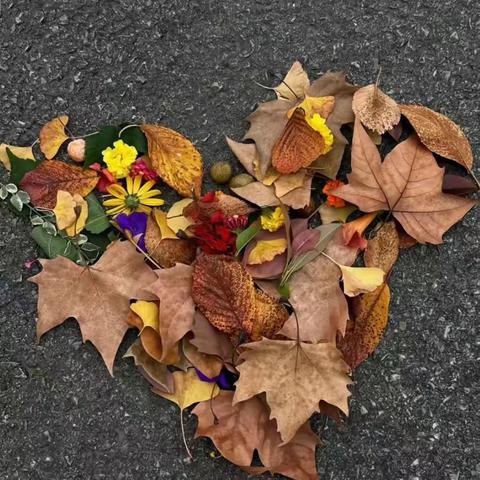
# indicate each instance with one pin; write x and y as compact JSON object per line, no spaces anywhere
{"x":222,"y":379}
{"x":135,"y":224}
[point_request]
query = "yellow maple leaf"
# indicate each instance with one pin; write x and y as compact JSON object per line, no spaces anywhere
{"x":71,"y":212}
{"x":358,"y":280}
{"x":266,"y":250}
{"x":52,"y":135}
{"x":21,"y":152}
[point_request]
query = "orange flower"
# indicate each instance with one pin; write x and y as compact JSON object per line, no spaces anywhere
{"x":332,"y":200}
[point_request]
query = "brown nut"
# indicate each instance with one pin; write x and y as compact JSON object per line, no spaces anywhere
{"x":221,"y":172}
{"x":240,"y":180}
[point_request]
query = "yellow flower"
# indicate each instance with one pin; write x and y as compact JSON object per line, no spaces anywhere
{"x":135,"y":198}
{"x":119,"y":158}
{"x":319,"y":124}
{"x":272,"y":220}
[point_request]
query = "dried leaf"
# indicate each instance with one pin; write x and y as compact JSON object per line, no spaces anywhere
{"x":175,"y":159}
{"x":246,"y":154}
{"x":227,"y":204}
{"x":295,"y":377}
{"x":238,"y":430}
{"x":156,"y":373}
{"x":173,"y":287}
{"x":458,"y":184}
{"x":439,"y":134}
{"x":365,"y":330}
{"x":382,"y":250}
{"x":224,"y":292}
{"x":286,"y":183}
{"x":294,"y":84}
{"x":266,"y":250}
{"x":209,"y":365}
{"x":408,"y":183}
{"x":66,"y":212}
{"x":330,"y":214}
{"x":161,"y":220}
{"x":43,"y":183}
{"x":52,"y":135}
{"x":25,"y":153}
{"x":376,"y":111}
{"x":69,"y":290}
{"x":358,"y":280}
{"x":175,"y":218}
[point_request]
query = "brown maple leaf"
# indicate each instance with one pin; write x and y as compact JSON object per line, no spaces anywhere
{"x":408,"y":184}
{"x":98,"y":297}
{"x":224,"y":292}
{"x":173,"y":287}
{"x":295,"y":377}
{"x":238,"y":430}
{"x":43,"y":183}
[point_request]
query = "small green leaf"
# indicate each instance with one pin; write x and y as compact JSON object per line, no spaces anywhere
{"x":11,"y":188}
{"x":136,"y":138}
{"x":50,"y":228}
{"x":3,"y":192}
{"x":247,"y":236}
{"x":90,"y":247}
{"x":16,"y":202}
{"x":81,"y":239}
{"x":284,"y":290}
{"x":97,"y":221}
{"x":37,"y":220}
{"x":96,"y":143}
{"x":24,"y":196}
{"x":53,"y":246}
{"x":19,"y":167}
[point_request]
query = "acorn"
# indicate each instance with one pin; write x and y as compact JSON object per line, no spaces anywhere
{"x":76,"y":150}
{"x":240,"y":180}
{"x":221,"y":172}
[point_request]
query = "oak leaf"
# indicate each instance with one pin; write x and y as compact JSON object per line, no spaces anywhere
{"x":175,"y":159}
{"x":295,"y":378}
{"x":224,"y":292}
{"x":98,"y":297}
{"x":238,"y":430}
{"x":439,"y":134}
{"x":376,"y":111}
{"x":52,"y":136}
{"x":25,"y":153}
{"x":408,"y":184}
{"x":173,"y":287}
{"x":43,"y":183}
{"x":294,"y":84}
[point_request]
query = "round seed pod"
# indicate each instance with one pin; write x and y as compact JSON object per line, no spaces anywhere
{"x":221,"y":172}
{"x":76,"y":150}
{"x":240,"y":180}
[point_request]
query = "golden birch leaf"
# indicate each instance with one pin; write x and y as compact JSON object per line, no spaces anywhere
{"x":358,"y":280}
{"x":376,"y":111}
{"x":295,"y":377}
{"x":439,"y":134}
{"x":175,"y":159}
{"x":25,"y":153}
{"x":266,"y":250}
{"x":52,"y":135}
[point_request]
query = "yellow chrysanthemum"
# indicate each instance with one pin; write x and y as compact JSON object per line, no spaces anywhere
{"x":119,"y":158}
{"x":136,"y":198}
{"x":319,"y":124}
{"x":272,"y":220}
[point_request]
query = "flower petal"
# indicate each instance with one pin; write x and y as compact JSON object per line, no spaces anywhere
{"x":145,"y":187}
{"x":149,"y":194}
{"x":117,"y":190}
{"x":111,"y":202}
{"x":153,"y":202}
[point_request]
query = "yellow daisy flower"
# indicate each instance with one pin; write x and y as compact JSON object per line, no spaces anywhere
{"x":136,"y":198}
{"x":272,"y":220}
{"x":119,"y":159}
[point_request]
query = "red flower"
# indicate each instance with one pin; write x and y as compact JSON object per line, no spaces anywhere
{"x":106,"y":178}
{"x":213,"y":236}
{"x":209,"y":197}
{"x":237,"y":222}
{"x":332,"y":200}
{"x":140,"y":168}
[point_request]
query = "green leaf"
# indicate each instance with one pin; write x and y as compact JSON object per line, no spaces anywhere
{"x":19,"y":167}
{"x":247,"y":236}
{"x":16,"y":201}
{"x":284,"y":290}
{"x":53,"y":246}
{"x":96,"y":143}
{"x":136,"y":138}
{"x":97,"y":221}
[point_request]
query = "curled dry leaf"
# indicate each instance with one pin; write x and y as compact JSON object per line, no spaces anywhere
{"x":295,"y":377}
{"x":224,"y":292}
{"x":26,"y":153}
{"x":175,"y":159}
{"x":439,"y":134}
{"x":52,"y":135}
{"x":209,"y":365}
{"x":408,"y":183}
{"x":238,"y":430}
{"x":382,"y":249}
{"x":294,"y":84}
{"x":157,"y":374}
{"x":43,"y":183}
{"x":357,"y":280}
{"x":376,"y":111}
{"x":66,"y":290}
{"x":173,"y":287}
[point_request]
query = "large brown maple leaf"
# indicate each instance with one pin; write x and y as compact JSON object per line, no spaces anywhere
{"x":98,"y":296}
{"x":408,"y":184}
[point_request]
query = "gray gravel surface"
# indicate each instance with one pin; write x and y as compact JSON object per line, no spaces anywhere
{"x":193,"y":65}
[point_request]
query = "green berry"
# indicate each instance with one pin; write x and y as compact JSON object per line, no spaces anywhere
{"x":240,"y":180}
{"x":221,"y":172}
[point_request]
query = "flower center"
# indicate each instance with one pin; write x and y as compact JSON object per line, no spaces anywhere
{"x":132,"y":201}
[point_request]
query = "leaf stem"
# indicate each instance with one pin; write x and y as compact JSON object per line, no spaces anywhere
{"x":183,"y":435}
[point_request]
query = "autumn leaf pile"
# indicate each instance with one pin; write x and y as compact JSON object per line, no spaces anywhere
{"x":257,"y":302}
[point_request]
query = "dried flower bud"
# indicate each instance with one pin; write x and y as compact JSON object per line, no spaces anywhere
{"x":236,"y":222}
{"x":221,"y":172}
{"x":76,"y":150}
{"x":240,"y":180}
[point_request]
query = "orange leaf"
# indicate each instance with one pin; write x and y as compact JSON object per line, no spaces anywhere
{"x":43,"y":183}
{"x":175,"y":159}
{"x":52,"y":135}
